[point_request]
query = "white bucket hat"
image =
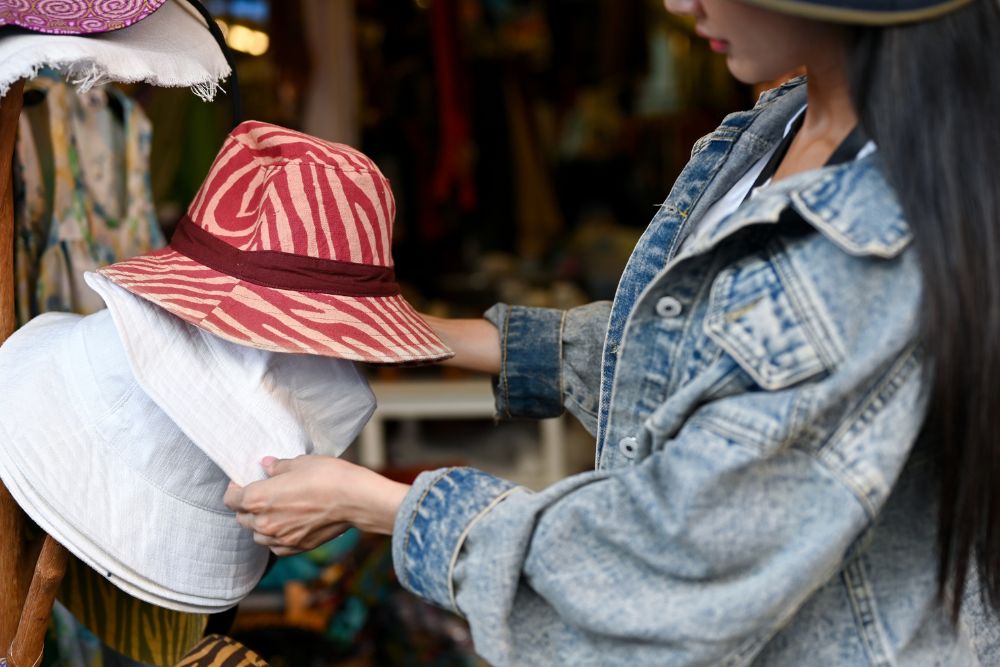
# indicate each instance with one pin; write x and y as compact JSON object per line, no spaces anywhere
{"x":238,"y":403}
{"x":170,"y":47}
{"x":93,"y":459}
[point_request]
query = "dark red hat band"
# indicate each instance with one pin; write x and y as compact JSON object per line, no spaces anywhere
{"x":282,"y":270}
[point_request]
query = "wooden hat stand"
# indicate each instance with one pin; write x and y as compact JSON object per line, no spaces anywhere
{"x":30,"y":570}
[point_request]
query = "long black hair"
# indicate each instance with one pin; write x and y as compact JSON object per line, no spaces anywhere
{"x":929,"y":95}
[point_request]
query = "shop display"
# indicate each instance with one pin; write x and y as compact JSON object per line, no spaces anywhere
{"x":82,"y":192}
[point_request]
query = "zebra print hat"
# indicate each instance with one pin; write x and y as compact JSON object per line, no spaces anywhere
{"x":288,"y":247}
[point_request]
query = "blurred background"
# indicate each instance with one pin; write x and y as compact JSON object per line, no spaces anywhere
{"x":528,"y":142}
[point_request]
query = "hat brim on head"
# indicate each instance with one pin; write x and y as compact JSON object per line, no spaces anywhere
{"x":863,"y":12}
{"x":93,"y":461}
{"x":374,"y":329}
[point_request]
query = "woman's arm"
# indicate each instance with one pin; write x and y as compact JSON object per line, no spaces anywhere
{"x":475,"y":342}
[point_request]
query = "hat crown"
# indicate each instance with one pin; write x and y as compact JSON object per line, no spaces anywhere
{"x":279,"y":190}
{"x":130,"y":424}
{"x":79,"y":17}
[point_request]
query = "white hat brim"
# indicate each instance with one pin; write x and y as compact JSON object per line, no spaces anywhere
{"x":92,"y":473}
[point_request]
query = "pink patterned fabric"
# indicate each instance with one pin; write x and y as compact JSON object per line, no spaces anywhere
{"x":292,"y":253}
{"x":75,"y":17}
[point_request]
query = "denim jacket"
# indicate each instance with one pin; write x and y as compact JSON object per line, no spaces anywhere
{"x":761,"y":496}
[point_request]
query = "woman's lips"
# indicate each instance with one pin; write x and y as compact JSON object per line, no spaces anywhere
{"x":718,"y":45}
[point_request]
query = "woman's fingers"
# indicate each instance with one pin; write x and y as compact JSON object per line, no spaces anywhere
{"x":308,"y":500}
{"x":273,"y":466}
{"x":286,"y":551}
{"x":265,"y":540}
{"x":234,"y":497}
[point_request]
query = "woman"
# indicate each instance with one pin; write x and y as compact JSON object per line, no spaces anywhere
{"x":796,"y":399}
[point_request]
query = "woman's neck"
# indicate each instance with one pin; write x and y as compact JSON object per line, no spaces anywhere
{"x":830,"y":117}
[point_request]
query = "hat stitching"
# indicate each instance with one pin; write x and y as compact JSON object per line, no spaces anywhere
{"x":204,"y":582}
{"x":278,"y":162}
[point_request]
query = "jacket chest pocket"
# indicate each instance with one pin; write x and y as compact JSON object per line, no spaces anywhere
{"x":758,"y":317}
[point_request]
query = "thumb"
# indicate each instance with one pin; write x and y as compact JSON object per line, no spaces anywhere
{"x":233,"y":499}
{"x":273,"y":466}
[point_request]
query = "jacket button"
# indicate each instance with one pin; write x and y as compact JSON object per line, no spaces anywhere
{"x":668,"y":306}
{"x":628,"y":446}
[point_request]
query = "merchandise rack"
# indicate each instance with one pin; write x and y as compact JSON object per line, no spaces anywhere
{"x":30,"y":569}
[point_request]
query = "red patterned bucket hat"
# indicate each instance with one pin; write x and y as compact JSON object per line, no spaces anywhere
{"x":288,"y":247}
{"x":75,"y":17}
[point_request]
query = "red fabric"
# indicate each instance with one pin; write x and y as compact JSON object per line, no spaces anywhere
{"x":454,"y":172}
{"x":287,"y":247}
{"x":283,"y":270}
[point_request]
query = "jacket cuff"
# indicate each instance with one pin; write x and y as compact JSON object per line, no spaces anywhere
{"x":530,"y":381}
{"x":432,"y":524}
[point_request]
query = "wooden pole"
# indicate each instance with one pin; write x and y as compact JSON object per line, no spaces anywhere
{"x":10,"y":111}
{"x":15,"y":573}
{"x":29,"y":592}
{"x":26,"y":648}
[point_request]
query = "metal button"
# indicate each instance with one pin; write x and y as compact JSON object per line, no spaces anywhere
{"x":628,"y":446}
{"x":668,"y":306}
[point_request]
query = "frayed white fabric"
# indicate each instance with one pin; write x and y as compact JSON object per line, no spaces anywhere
{"x":237,"y":403}
{"x":171,"y":47}
{"x":92,"y":459}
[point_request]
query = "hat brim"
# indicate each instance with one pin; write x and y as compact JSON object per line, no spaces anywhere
{"x":382,"y":330}
{"x":81,"y":19}
{"x":171,"y":47}
{"x":65,"y":473}
{"x":237,"y":404}
{"x":862,"y":12}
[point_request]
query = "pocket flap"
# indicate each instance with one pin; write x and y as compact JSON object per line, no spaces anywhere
{"x":754,"y":319}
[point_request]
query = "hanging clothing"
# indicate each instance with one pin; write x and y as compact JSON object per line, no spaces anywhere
{"x":83,"y":193}
{"x":82,"y":199}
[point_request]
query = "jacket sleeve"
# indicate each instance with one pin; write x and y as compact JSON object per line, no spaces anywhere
{"x":548,"y":360}
{"x":694,"y":556}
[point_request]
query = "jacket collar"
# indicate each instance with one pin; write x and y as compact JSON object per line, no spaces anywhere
{"x":851,"y":203}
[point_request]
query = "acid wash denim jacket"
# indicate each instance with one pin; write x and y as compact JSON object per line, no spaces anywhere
{"x":760,"y":494}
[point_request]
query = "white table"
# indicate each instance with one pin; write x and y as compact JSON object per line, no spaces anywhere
{"x":448,"y":399}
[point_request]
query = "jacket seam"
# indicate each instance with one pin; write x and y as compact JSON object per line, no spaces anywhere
{"x":882,"y":392}
{"x":464,"y":536}
{"x":571,"y":399}
{"x":504,"y":379}
{"x":704,"y":289}
{"x":863,"y":606}
{"x":562,"y":374}
{"x":808,"y":307}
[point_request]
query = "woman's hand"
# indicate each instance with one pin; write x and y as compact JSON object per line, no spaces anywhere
{"x":311,"y":499}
